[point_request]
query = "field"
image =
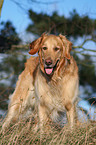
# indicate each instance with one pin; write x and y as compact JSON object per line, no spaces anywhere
{"x":24,"y":133}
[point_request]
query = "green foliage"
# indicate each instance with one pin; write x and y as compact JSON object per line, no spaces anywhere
{"x":87,"y":71}
{"x":12,"y":65}
{"x":74,"y":26}
{"x":15,"y":63}
{"x":4,"y":96}
{"x":8,"y":36}
{"x":87,"y":75}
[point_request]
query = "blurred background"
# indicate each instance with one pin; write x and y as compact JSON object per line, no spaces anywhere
{"x":23,"y":21}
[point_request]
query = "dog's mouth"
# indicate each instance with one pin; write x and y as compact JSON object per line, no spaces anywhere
{"x":50,"y":69}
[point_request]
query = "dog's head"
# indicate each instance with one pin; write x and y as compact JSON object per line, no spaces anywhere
{"x":52,"y":51}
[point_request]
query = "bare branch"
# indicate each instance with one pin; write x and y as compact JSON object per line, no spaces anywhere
{"x":7,"y":76}
{"x":92,"y":50}
{"x":83,"y":53}
{"x":86,"y":40}
{"x":46,"y":3}
{"x":20,"y":46}
{"x":20,"y":5}
{"x":84,"y":49}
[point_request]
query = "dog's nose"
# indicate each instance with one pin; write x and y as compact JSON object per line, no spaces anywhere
{"x":48,"y":61}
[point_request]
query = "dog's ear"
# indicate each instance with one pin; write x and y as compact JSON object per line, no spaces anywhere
{"x":35,"y":45}
{"x":67,"y":46}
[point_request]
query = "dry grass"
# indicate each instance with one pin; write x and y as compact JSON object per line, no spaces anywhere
{"x":26,"y":134}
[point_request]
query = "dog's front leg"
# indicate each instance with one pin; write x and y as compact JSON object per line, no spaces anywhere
{"x":71,"y":114}
{"x":43,"y":118}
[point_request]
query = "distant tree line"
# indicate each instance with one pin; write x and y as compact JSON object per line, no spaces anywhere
{"x":8,"y":36}
{"x":74,"y":26}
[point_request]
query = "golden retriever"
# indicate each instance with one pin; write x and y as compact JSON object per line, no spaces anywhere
{"x":49,"y":82}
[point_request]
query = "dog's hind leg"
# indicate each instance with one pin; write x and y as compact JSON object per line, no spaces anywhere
{"x":20,"y":98}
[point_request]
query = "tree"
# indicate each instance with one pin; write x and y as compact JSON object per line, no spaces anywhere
{"x":87,"y":71}
{"x":10,"y":75}
{"x":73,"y":26}
{"x":8,"y":36}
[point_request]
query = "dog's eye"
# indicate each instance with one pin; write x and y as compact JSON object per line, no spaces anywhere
{"x":44,"y":48}
{"x":56,"y":48}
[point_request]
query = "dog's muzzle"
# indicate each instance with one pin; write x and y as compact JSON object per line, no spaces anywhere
{"x":49,"y":66}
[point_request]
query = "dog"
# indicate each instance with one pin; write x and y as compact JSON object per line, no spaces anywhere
{"x":49,"y":83}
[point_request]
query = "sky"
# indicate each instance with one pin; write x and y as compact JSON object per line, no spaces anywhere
{"x":19,"y":17}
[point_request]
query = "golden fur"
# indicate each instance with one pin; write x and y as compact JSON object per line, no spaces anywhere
{"x":49,"y":93}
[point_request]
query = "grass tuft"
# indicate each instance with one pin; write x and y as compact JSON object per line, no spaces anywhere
{"x":25,"y":133}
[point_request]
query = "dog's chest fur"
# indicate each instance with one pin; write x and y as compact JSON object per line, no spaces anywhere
{"x":50,"y":93}
{"x":59,"y":91}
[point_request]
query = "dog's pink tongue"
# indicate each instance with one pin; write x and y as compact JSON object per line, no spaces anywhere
{"x":49,"y":70}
